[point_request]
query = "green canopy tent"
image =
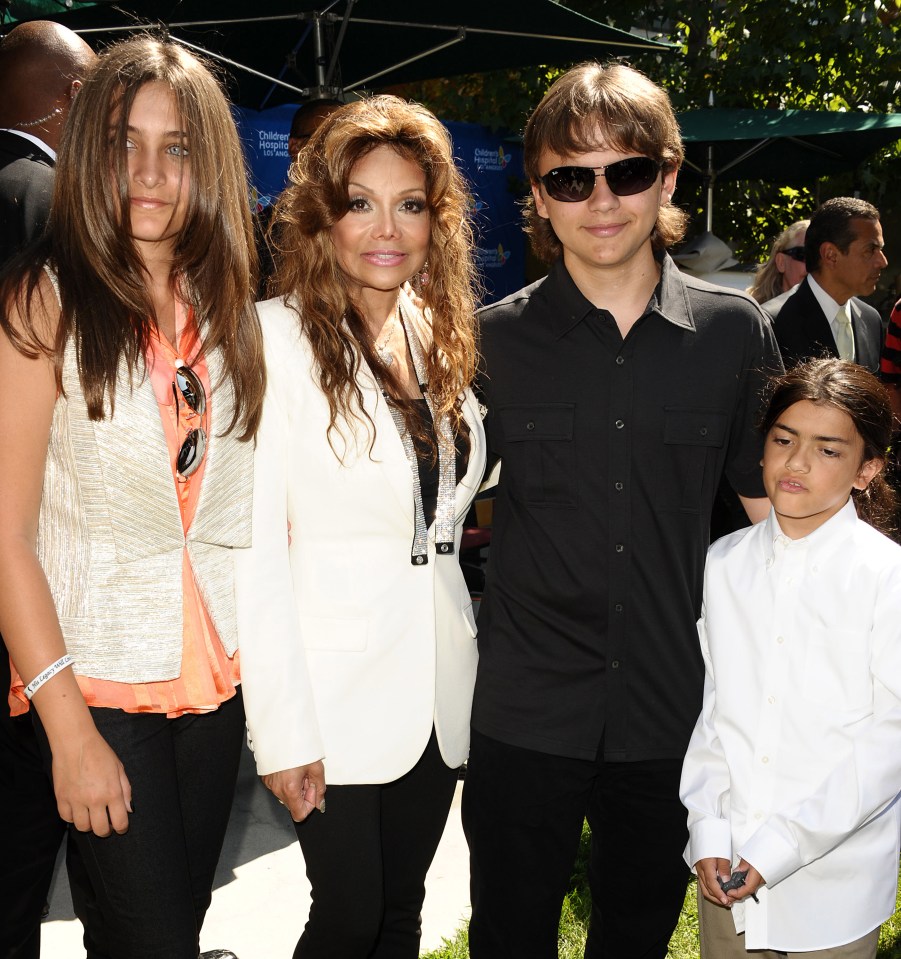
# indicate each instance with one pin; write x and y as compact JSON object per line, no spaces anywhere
{"x":791,"y":147}
{"x":286,"y":50}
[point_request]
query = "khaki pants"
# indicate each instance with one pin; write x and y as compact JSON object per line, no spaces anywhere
{"x":719,"y":940}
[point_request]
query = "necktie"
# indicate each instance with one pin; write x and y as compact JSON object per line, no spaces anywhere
{"x":844,"y":338}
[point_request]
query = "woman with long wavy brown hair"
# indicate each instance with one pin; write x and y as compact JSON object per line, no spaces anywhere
{"x":131,"y":377}
{"x":357,"y":634}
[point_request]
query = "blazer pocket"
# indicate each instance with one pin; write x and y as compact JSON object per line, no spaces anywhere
{"x":334,"y":634}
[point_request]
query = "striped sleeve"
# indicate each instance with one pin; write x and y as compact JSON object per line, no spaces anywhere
{"x":890,"y":363}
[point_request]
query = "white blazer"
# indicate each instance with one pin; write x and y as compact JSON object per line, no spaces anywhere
{"x":349,"y":652}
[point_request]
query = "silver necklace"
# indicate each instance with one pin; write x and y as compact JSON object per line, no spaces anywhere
{"x":381,"y":346}
{"x":36,"y":123}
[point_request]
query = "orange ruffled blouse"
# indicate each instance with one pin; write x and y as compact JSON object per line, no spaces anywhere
{"x":208,"y":676}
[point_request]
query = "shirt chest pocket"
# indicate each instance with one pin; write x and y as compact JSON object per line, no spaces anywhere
{"x":693,"y":439}
{"x":538,"y":455}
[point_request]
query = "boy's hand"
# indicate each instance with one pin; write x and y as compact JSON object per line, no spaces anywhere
{"x":709,"y":871}
{"x":753,"y":881}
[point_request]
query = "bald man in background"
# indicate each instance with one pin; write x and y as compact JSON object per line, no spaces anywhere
{"x":42,"y":65}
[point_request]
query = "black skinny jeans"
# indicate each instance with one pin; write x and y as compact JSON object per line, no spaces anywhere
{"x":152,"y":886}
{"x":367,"y":859}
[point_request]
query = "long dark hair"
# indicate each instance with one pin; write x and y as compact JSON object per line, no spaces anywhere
{"x":853,"y":390}
{"x":106,"y":305}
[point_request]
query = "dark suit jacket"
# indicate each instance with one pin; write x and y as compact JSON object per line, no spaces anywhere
{"x":26,"y":189}
{"x":803,"y":331}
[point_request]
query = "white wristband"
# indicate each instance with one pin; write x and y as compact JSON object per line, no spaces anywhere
{"x":48,"y":673}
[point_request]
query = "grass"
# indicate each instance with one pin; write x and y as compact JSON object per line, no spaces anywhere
{"x":683,"y":945}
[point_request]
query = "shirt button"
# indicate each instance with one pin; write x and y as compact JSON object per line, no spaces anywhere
{"x":758,"y":815}
{"x":703,"y":431}
{"x":619,"y":424}
{"x":780,"y":639}
{"x":771,"y":699}
{"x":619,"y":547}
{"x":530,"y":425}
{"x":620,"y":360}
{"x":615,"y":664}
{"x":618,"y":607}
{"x":764,"y":759}
{"x":618,"y":486}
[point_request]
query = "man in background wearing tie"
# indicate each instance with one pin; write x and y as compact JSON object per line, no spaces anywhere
{"x":844,"y":251}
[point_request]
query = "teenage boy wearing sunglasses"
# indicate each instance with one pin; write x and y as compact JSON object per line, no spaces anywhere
{"x":843,"y":250}
{"x":618,"y":390}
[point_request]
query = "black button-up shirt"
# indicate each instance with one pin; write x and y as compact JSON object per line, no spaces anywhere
{"x":611,"y":450}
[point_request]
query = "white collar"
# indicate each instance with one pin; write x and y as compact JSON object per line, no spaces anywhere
{"x":829,"y":306}
{"x":35,"y":140}
{"x":826,"y":537}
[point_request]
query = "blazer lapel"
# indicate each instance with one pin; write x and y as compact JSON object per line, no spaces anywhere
{"x":817,"y":324}
{"x":388,"y":449}
{"x":475,"y":468}
{"x":225,"y":504}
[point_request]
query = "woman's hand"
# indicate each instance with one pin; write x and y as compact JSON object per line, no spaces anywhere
{"x":301,"y":789}
{"x":92,"y":790}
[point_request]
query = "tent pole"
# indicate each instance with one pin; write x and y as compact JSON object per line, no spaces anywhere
{"x":319,"y":51}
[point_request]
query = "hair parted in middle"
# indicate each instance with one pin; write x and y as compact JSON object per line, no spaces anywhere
{"x":106,"y":305}
{"x":610,"y":104}
{"x":853,"y":390}
{"x":308,"y":274}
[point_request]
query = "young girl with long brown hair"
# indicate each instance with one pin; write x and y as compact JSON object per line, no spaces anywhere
{"x":131,"y":378}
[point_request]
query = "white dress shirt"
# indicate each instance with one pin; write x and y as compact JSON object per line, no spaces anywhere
{"x":795,"y":762}
{"x":831,"y":307}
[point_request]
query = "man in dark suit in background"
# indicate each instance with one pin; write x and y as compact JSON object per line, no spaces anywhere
{"x":844,"y":251}
{"x":42,"y":65}
{"x":41,"y":69}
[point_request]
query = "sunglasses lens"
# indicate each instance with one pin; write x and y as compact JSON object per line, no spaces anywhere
{"x":190,"y":456}
{"x":796,"y":253}
{"x":571,"y":184}
{"x":628,"y":177}
{"x":191,"y":389}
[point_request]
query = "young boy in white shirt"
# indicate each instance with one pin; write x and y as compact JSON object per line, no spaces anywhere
{"x":794,"y":766}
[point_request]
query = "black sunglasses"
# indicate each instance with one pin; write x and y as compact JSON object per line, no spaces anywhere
{"x":796,"y":253}
{"x":188,"y":387}
{"x":572,"y":184}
